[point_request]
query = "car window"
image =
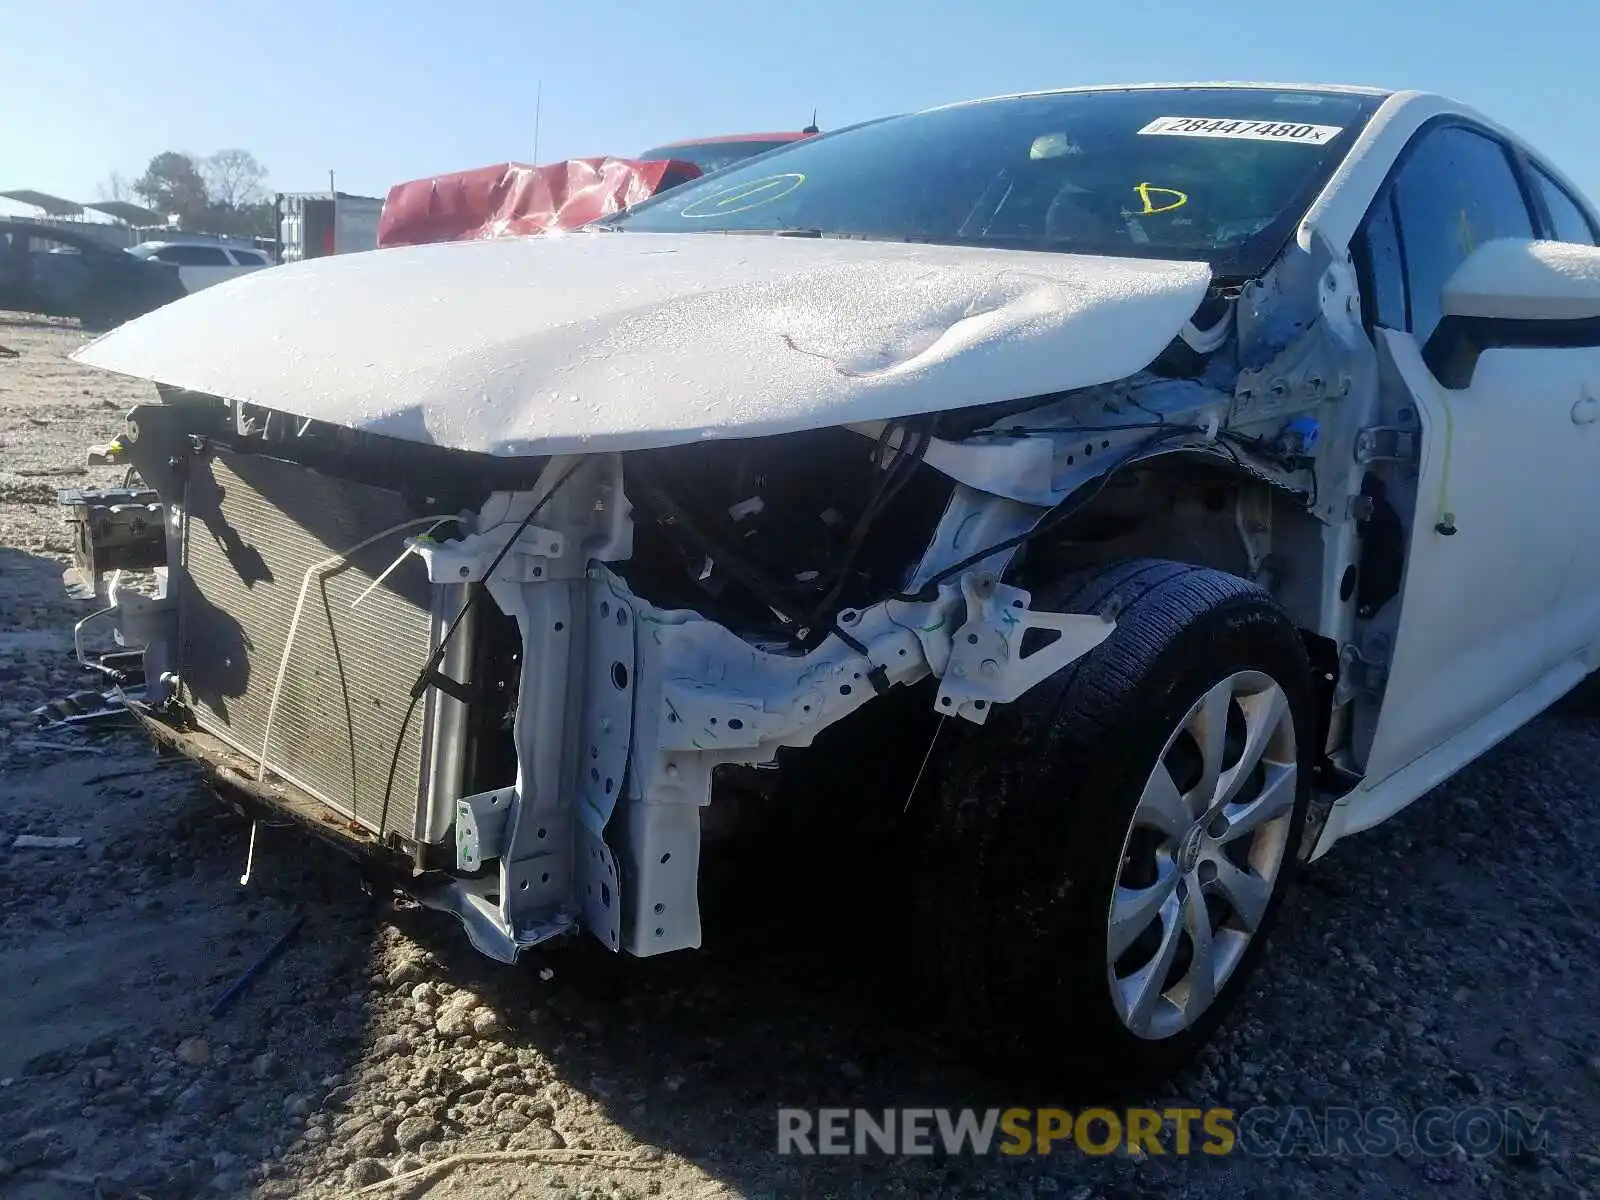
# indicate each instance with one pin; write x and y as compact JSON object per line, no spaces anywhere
{"x":1567,"y":222}
{"x":45,"y":244}
{"x":193,"y":256}
{"x":712,"y":156}
{"x":1456,"y":191}
{"x":1383,"y":273}
{"x":1218,"y":175}
{"x":249,"y":258}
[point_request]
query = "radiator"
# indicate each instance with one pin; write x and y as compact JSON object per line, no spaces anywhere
{"x":253,"y":527}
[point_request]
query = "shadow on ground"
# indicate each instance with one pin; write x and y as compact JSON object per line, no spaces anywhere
{"x":1446,"y":959}
{"x":16,"y":320}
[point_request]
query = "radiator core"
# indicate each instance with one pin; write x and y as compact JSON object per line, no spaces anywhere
{"x":254,"y":527}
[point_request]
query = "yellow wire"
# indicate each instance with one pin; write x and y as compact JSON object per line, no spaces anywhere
{"x":1446,"y":517}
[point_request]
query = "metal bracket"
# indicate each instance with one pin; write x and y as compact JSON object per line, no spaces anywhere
{"x":1397,"y":443}
{"x":110,"y":454}
{"x":608,"y":700}
{"x":1299,"y":378}
{"x":467,"y":559}
{"x":473,"y":902}
{"x":1252,"y":517}
{"x":661,"y":857}
{"x":987,"y":665}
{"x":481,"y":827}
{"x":600,"y":887}
{"x":1363,"y":668}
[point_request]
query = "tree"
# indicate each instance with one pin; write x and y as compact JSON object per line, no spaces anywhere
{"x":250,"y":220}
{"x":174,"y":187}
{"x":233,"y":178}
{"x":114,"y":186}
{"x":221,"y":193}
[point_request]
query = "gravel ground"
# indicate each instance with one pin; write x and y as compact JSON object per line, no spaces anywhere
{"x":1448,"y":958}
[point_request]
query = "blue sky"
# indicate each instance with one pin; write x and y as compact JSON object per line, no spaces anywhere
{"x":386,"y":90}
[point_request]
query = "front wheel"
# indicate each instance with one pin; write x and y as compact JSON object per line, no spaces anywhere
{"x":1110,"y":852}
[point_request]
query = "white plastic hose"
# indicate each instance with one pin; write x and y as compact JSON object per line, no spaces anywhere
{"x":410,"y":548}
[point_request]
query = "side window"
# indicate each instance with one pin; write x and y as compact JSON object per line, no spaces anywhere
{"x":193,"y":256}
{"x":1383,"y":272}
{"x":1456,"y":191}
{"x":1567,"y":222}
{"x":248,"y":258}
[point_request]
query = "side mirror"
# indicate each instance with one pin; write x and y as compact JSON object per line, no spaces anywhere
{"x":1515,"y":293}
{"x":1513,"y":279}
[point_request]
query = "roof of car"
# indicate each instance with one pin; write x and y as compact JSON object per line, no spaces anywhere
{"x":196,"y":241}
{"x":49,"y":231}
{"x":790,"y":136}
{"x":1349,"y":89}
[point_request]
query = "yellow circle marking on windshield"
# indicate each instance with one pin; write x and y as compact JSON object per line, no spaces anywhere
{"x":1148,"y":193}
{"x":743,"y":196}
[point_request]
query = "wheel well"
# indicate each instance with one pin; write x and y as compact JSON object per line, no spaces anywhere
{"x":1193,"y":508}
{"x":1208,"y":511}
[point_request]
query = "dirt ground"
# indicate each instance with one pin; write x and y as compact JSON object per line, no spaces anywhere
{"x":1449,"y":958}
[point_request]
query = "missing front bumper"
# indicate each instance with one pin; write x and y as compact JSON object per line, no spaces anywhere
{"x":232,"y":774}
{"x":418,"y":870}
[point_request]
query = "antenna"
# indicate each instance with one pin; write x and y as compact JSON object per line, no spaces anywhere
{"x":538,"y":104}
{"x":812,"y":128}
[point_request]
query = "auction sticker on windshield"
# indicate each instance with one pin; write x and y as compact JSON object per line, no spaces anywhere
{"x":1255,"y":131}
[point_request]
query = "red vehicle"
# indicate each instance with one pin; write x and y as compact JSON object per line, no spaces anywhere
{"x":516,"y":199}
{"x":713,"y":153}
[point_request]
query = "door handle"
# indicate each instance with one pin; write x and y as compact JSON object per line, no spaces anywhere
{"x":1585,"y":410}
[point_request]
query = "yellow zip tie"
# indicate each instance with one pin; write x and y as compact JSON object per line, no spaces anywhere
{"x":1446,"y":523}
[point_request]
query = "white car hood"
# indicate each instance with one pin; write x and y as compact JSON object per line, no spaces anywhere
{"x":600,"y":341}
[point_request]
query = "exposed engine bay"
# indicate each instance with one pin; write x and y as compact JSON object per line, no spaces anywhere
{"x":525,"y":679}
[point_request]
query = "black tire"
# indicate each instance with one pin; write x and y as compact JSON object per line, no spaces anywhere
{"x":1026,"y":834}
{"x":100,"y":320}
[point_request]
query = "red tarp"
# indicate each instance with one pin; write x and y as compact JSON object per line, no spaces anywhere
{"x":514,"y":199}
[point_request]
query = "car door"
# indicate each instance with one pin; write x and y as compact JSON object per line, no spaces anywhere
{"x":1487,"y":607}
{"x":198,"y":266}
{"x":65,"y":277}
{"x":1575,"y":378}
{"x":16,"y":273}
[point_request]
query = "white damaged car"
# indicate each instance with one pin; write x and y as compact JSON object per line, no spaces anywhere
{"x":1145,"y":451}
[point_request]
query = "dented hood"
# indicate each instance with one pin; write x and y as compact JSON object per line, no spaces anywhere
{"x":597,"y":340}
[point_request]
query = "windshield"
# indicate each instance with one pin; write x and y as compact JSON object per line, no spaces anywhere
{"x":1213,"y":174}
{"x":712,"y":156}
